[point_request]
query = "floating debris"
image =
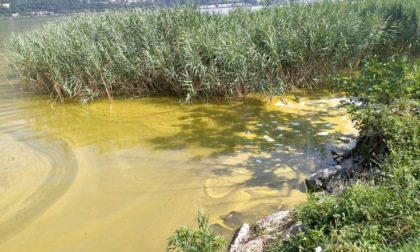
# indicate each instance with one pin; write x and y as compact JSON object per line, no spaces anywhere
{"x":279,"y":104}
{"x":322,"y":133}
{"x":329,"y":125}
{"x":278,"y":145}
{"x":280,"y":135}
{"x":296,"y":131}
{"x":295,"y":123}
{"x":259,"y":124}
{"x":258,"y":161}
{"x":269,"y":139}
{"x":279,"y":128}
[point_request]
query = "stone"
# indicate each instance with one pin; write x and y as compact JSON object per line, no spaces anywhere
{"x":345,"y":139}
{"x":320,"y":179}
{"x":274,"y":221}
{"x":265,"y":231}
{"x":240,"y":238}
{"x":297,"y":227}
{"x":256,"y":244}
{"x":233,"y":219}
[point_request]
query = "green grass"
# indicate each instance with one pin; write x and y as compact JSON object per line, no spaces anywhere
{"x":411,"y":246}
{"x":185,"y":52}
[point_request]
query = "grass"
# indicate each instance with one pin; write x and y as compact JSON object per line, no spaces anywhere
{"x":193,"y":54}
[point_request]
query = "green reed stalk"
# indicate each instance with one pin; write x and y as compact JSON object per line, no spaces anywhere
{"x":193,"y":54}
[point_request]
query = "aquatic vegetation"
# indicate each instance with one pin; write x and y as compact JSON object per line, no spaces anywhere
{"x":195,"y":54}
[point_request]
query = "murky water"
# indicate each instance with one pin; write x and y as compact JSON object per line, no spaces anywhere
{"x":123,"y":175}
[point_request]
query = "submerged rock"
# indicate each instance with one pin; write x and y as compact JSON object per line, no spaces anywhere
{"x":232,"y":219}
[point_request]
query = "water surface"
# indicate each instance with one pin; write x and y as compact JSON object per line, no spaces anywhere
{"x":123,"y":175}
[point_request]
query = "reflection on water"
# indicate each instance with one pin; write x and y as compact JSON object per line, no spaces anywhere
{"x":122,"y":175}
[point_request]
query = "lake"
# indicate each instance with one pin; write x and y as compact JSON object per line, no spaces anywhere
{"x":122,"y":175}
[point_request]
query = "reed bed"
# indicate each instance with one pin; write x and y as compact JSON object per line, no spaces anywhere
{"x":195,"y":54}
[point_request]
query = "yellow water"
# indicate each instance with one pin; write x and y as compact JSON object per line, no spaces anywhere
{"x":123,"y":175}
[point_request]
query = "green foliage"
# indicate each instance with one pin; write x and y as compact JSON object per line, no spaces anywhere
{"x":385,"y":102}
{"x":383,"y":211}
{"x":202,"y":240}
{"x":381,"y":82}
{"x":194,"y":54}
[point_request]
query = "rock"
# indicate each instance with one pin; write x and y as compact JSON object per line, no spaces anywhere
{"x":345,"y":139}
{"x":274,"y":221}
{"x":320,"y":179}
{"x":240,"y":238}
{"x":265,"y":231}
{"x":296,"y":228}
{"x":233,"y":219}
{"x":256,"y":244}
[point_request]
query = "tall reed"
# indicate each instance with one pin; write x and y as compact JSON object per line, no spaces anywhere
{"x":193,"y":54}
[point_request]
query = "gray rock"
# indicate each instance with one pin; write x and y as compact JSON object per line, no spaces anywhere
{"x":274,"y":221}
{"x":257,"y":244}
{"x":265,"y":231}
{"x":345,"y":139}
{"x":320,"y":179}
{"x":296,"y":228}
{"x":241,"y":237}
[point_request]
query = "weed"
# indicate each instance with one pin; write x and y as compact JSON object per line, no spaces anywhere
{"x":202,"y":240}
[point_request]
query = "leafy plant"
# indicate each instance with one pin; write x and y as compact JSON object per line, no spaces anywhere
{"x":202,"y":240}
